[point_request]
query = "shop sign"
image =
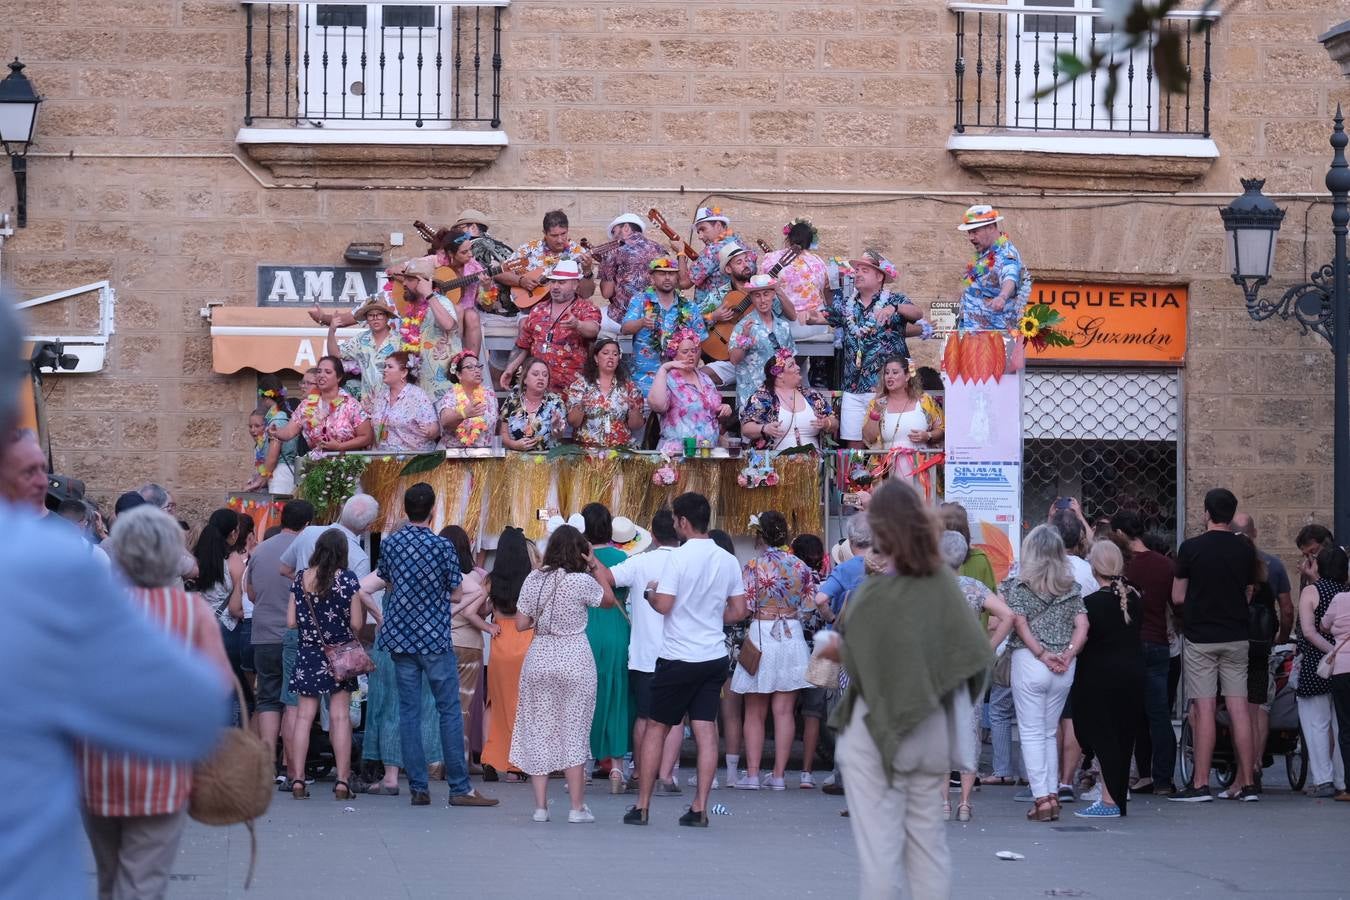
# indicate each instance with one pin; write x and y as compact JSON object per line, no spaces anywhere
{"x":1116,"y":323}
{"x":307,"y":285}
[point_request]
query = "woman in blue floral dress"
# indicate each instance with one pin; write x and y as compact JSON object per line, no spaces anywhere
{"x":326,"y":607}
{"x":778,"y":586}
{"x":532,"y":418}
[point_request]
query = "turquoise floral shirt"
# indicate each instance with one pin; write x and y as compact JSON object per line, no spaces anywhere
{"x":648,"y":342}
{"x":760,"y":342}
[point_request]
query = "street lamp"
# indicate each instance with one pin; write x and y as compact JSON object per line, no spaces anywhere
{"x":1320,"y":305}
{"x":18,"y":115}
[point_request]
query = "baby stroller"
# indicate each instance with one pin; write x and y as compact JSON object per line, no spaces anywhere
{"x":1285,"y":738}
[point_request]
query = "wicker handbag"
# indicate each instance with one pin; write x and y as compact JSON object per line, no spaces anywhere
{"x":234,"y":784}
{"x":823,"y":673}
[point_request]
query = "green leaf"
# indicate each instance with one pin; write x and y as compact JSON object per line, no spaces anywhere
{"x":1057,"y":339}
{"x":424,"y":462}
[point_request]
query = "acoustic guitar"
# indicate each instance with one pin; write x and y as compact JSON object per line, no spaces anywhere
{"x":451,"y":288}
{"x":524,"y":299}
{"x":718,"y":343}
{"x":660,"y":222}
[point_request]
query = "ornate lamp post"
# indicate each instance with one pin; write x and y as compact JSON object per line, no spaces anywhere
{"x":1321,"y":305}
{"x":18,"y":115}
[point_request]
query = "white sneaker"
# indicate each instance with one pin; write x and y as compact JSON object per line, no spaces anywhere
{"x":541,"y":815}
{"x":693,"y":782}
{"x":580,"y":816}
{"x":746,"y":783}
{"x":830,"y":779}
{"x":773,"y":784}
{"x":808,"y":781}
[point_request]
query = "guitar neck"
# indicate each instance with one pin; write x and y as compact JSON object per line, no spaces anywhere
{"x":427,"y":234}
{"x":782,"y":263}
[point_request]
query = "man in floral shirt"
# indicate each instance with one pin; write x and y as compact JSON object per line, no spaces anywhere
{"x":707,"y":275}
{"x":874,"y":323}
{"x":623,"y":270}
{"x":996,"y":285}
{"x":655,"y":314}
{"x":558,"y":331}
{"x":546,"y":252}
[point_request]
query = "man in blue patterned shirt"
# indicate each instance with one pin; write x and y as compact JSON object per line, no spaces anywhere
{"x":996,"y":285}
{"x":420,"y":570}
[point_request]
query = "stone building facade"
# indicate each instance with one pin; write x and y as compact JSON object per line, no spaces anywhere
{"x":843,"y":112}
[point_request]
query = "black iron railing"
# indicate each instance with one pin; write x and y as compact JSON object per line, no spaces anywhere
{"x":321,"y":62}
{"x":1007,"y":57}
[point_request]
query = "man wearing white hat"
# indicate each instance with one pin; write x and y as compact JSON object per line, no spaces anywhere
{"x":623,"y":270}
{"x":557,"y":332}
{"x":996,"y":285}
{"x":708,"y":275}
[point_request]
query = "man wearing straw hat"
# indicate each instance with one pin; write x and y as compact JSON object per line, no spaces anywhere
{"x":368,"y":350}
{"x":996,"y":285}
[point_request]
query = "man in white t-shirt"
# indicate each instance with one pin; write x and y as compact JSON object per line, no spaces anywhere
{"x":637,"y":573}
{"x":700,"y":590}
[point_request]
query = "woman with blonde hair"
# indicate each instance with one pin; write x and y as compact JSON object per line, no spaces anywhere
{"x":1050,"y":624}
{"x":1108,"y":689}
{"x":916,"y":661}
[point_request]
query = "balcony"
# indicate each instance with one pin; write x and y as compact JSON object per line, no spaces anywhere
{"x":1014,"y":126}
{"x":373,"y":93}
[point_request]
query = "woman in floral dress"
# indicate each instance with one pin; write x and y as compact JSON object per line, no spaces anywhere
{"x":532,"y":417}
{"x":326,"y":606}
{"x":604,"y":406}
{"x":785,"y":413}
{"x":404,"y":419}
{"x":685,"y":396}
{"x":778,"y":586}
{"x":331,"y":419}
{"x":758,"y":337}
{"x":469,"y":410}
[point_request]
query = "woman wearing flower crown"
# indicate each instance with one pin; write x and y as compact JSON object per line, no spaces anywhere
{"x":331,"y":419}
{"x":604,"y":405}
{"x":404,"y":418}
{"x":758,"y":337}
{"x":469,"y":410}
{"x":685,"y":397}
{"x":785,"y":412}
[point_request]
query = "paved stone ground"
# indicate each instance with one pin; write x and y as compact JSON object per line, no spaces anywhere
{"x":791,"y":844}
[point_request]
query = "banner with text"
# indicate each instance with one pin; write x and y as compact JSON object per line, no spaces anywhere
{"x":1116,"y":323}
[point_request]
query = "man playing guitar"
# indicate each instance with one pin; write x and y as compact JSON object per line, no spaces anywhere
{"x":542,"y":254}
{"x":737,"y":265}
{"x":707,"y":275}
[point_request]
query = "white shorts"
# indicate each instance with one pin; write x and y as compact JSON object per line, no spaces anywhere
{"x":852,"y":411}
{"x":725,"y":372}
{"x":282,"y":480}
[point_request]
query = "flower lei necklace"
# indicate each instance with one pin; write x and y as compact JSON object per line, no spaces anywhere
{"x":656,"y":336}
{"x":854,"y":327}
{"x":410,"y":325}
{"x":980,"y":267}
{"x":468,"y":431}
{"x":310,"y":411}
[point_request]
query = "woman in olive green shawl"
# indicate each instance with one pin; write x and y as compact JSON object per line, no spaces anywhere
{"x":916,"y":661}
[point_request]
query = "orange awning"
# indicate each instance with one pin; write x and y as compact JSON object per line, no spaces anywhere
{"x":267,"y":339}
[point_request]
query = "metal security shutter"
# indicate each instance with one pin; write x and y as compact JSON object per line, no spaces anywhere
{"x":1109,"y":437}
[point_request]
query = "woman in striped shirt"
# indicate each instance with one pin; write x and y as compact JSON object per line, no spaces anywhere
{"x":135,"y":808}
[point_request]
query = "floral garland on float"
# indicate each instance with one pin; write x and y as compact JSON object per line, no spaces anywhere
{"x":758,"y":471}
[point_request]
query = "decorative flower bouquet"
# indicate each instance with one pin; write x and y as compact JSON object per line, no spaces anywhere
{"x":665,"y":475}
{"x":758,"y":471}
{"x":331,"y":481}
{"x":1038,"y":327}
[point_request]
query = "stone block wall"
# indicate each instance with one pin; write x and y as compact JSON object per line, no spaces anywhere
{"x":768,"y":109}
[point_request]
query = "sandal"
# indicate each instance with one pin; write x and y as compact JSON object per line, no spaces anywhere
{"x":380,"y":789}
{"x":963,"y":812}
{"x":617,"y":785}
{"x":946,"y":810}
{"x":997,"y":780}
{"x":342,"y":791}
{"x":489,"y":773}
{"x":298,"y":790}
{"x":513,"y":777}
{"x":1042,"y":811}
{"x":1054,"y":808}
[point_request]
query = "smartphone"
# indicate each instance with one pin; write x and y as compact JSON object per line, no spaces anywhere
{"x":543,"y":513}
{"x":1063,"y":503}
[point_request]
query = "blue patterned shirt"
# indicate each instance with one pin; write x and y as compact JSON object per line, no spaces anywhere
{"x":422,"y":570}
{"x":646,"y":357}
{"x":999,"y":263}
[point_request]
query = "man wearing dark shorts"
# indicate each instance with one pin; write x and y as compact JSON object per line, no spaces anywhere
{"x":271,"y":592}
{"x":700,"y":590}
{"x":1270,"y":616}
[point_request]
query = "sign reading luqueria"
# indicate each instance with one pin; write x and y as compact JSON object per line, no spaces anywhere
{"x":1118,"y":323}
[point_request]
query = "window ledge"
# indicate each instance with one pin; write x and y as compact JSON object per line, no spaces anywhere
{"x":373,"y":156}
{"x":1077,"y":160}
